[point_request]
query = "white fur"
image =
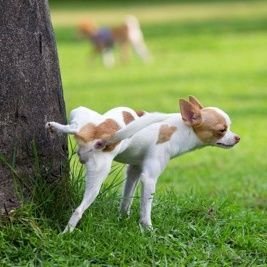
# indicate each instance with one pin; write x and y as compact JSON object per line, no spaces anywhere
{"x":138,"y":148}
{"x":108,"y":58}
{"x":136,"y":40}
{"x":136,"y":37}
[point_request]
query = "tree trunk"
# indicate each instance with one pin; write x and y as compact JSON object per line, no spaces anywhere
{"x":30,"y":95}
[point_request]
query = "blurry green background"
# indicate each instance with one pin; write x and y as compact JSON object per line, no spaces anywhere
{"x":213,"y":50}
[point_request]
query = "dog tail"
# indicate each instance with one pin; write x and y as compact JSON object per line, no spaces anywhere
{"x":136,"y":126}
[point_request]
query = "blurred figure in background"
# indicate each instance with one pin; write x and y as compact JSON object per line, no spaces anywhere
{"x":126,"y":35}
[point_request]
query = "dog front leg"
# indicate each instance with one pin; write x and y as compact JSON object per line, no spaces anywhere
{"x":108,"y":58}
{"x":94,"y":178}
{"x":147,"y":194}
{"x":151,"y":171}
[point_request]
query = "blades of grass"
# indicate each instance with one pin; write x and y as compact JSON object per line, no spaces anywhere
{"x":13,"y":171}
{"x":115,"y":183}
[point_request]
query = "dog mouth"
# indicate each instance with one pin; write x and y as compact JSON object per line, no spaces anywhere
{"x":82,"y":161}
{"x":224,"y":145}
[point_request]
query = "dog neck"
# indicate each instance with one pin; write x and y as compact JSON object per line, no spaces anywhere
{"x":184,"y":139}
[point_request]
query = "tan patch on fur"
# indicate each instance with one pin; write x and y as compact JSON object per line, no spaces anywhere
{"x":127,"y":117}
{"x":210,"y":129}
{"x":87,"y":133}
{"x":165,"y":133}
{"x":87,"y":27}
{"x":140,"y":113}
{"x":104,"y":130}
{"x":120,"y":33}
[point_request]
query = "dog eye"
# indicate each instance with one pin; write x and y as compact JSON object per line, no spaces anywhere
{"x":222,"y":130}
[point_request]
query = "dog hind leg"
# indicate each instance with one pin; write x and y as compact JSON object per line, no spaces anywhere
{"x":132,"y":178}
{"x":60,"y":128}
{"x":151,"y":171}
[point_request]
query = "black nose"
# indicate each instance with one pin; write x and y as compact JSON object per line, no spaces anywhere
{"x":237,"y":139}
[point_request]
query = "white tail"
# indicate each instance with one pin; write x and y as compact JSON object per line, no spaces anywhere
{"x":136,"y":126}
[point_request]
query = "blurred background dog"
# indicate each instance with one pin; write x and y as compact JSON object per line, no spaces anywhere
{"x":124,"y":36}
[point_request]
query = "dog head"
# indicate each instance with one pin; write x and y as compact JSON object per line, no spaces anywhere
{"x":211,"y":125}
{"x":86,"y":150}
{"x":93,"y":138}
{"x":87,"y":28}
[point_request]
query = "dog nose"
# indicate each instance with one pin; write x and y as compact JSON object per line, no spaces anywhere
{"x":237,"y":139}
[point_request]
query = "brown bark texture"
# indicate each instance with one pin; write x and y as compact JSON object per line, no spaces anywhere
{"x":30,"y":95}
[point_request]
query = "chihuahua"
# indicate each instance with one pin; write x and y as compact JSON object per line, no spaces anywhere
{"x":144,"y":141}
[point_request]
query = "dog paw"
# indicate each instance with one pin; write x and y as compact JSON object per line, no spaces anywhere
{"x":68,"y":229}
{"x":124,"y":212}
{"x":50,"y":126}
{"x":145,"y":227}
{"x":124,"y":216}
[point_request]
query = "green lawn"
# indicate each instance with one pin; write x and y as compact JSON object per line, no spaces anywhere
{"x":211,"y":205}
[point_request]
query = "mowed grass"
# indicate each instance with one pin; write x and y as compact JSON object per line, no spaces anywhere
{"x":210,"y":205}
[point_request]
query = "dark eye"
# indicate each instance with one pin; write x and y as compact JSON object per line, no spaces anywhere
{"x":222,"y":130}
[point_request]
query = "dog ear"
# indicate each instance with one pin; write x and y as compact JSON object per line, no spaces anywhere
{"x":190,"y":113}
{"x":100,"y":144}
{"x":193,"y":100}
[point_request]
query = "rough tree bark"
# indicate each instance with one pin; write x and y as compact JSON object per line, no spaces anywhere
{"x":30,"y":94}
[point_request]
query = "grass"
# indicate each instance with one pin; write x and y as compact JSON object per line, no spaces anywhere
{"x":210,"y":207}
{"x":194,"y":230}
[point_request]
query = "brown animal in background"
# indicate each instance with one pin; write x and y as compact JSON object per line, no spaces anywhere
{"x":127,"y":35}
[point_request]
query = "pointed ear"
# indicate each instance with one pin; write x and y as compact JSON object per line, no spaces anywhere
{"x":195,"y":102}
{"x":190,"y":114}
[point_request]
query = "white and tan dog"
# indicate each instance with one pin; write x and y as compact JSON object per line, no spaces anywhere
{"x":126,"y":35}
{"x":144,"y":141}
